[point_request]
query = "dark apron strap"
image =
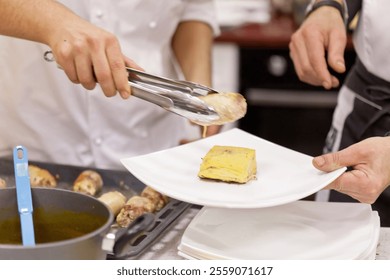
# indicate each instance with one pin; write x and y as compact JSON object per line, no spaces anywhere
{"x":370,"y":89}
{"x":361,"y":78}
{"x":380,"y":96}
{"x":354,"y":6}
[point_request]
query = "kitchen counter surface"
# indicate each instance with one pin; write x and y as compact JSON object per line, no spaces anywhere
{"x":165,"y":248}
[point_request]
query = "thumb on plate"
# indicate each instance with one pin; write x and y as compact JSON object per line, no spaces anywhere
{"x":333,"y":161}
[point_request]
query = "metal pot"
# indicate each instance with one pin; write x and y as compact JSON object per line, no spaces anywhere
{"x":86,"y":246}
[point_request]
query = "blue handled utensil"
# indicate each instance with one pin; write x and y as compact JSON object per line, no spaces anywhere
{"x":23,"y":194}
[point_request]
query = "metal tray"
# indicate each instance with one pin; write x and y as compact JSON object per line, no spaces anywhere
{"x":122,"y":181}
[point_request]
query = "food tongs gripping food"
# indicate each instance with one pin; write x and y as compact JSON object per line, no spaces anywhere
{"x":180,"y":97}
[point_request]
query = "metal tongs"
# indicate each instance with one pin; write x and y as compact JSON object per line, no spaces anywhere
{"x":180,"y":97}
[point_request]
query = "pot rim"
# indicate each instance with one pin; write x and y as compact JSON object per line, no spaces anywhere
{"x":66,"y":242}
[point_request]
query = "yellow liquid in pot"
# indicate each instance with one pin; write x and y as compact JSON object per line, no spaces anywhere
{"x":51,"y":226}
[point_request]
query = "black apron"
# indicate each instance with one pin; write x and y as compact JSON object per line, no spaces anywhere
{"x":370,"y":117}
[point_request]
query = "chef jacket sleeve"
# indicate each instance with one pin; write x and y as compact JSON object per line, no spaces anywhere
{"x":201,"y":10}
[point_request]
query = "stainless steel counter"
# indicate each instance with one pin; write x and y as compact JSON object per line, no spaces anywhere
{"x":165,"y":248}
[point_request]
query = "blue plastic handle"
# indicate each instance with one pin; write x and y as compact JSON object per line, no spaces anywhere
{"x":23,"y":194}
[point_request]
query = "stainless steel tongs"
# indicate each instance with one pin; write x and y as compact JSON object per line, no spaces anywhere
{"x":179,"y":97}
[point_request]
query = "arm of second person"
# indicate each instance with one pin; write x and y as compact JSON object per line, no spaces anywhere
{"x":192,"y":45}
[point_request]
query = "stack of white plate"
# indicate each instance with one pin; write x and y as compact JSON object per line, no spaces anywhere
{"x":299,"y":230}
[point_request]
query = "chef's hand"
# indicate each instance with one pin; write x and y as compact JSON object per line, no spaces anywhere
{"x":90,"y":55}
{"x":320,"y":41}
{"x":87,"y":54}
{"x":370,"y":174}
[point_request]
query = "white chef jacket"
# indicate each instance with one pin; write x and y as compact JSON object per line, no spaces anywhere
{"x":371,"y":38}
{"x":61,"y":122}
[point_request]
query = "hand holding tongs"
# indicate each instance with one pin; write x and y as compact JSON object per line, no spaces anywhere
{"x":180,"y":97}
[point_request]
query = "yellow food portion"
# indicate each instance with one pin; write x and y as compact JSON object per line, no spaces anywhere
{"x":229,"y":164}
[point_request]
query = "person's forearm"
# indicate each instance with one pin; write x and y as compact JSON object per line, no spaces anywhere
{"x":33,"y":20}
{"x":87,"y":54}
{"x":192,"y":45}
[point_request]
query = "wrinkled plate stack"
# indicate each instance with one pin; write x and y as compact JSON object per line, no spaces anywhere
{"x":303,"y":230}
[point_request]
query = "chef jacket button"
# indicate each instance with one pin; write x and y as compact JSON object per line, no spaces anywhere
{"x":152,"y":24}
{"x":99,"y":14}
{"x":98,"y":141}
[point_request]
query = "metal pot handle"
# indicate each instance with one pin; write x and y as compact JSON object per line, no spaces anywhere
{"x":116,"y":240}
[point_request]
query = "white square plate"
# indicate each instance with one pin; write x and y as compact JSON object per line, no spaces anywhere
{"x":303,"y":230}
{"x":283,"y":175}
